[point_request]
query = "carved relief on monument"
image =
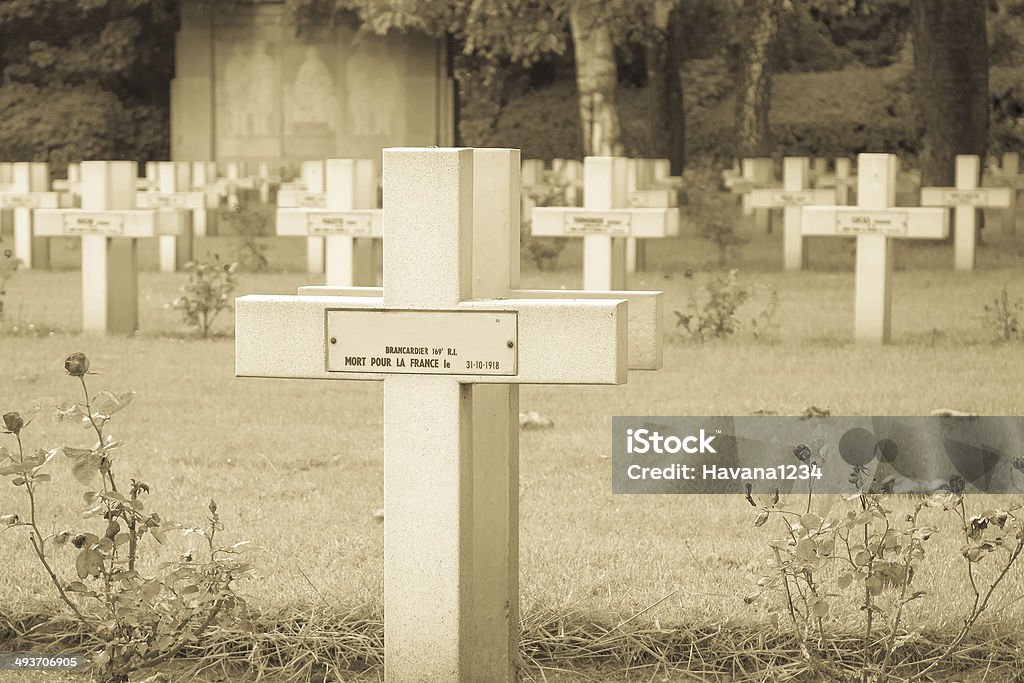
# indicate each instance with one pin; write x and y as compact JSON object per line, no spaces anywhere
{"x":311,"y":100}
{"x":247,"y":93}
{"x":374,"y":100}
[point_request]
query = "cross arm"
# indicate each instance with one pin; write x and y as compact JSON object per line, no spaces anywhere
{"x":558,"y":221}
{"x":992,"y":197}
{"x":29,"y":200}
{"x":304,"y":222}
{"x":899,"y":222}
{"x":556,"y":342}
{"x":653,"y":198}
{"x":779,"y":198}
{"x":301,"y":198}
{"x":130,"y":223}
{"x":168,"y":200}
{"x":645,"y":313}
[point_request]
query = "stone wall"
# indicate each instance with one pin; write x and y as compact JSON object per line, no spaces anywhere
{"x":248,"y":88}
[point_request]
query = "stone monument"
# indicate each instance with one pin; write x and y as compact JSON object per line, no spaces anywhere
{"x":248,"y":86}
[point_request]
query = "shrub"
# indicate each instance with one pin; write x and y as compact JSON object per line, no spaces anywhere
{"x":1004,"y":317}
{"x":250,"y":223}
{"x":142,"y":612}
{"x":544,"y":251}
{"x":64,"y":123}
{"x":8,"y":267}
{"x":872,"y":554}
{"x":715,"y":213}
{"x":714,"y":311}
{"x":206,"y":294}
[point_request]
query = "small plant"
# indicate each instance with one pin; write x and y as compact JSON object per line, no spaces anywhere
{"x":714,"y":212}
{"x":250,"y":224}
{"x":872,"y":554}
{"x":713,"y":311}
{"x":143,"y":612}
{"x":544,"y":251}
{"x":8,"y":266}
{"x":206,"y":294}
{"x":1005,"y":317}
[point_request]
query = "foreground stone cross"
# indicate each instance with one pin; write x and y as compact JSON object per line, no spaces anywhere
{"x":604,"y":222}
{"x":875,"y":222}
{"x":794,"y":194}
{"x":966,"y":198}
{"x":450,"y":403}
{"x":109,"y":228}
{"x":346,"y":224}
{"x":27,"y":192}
{"x":172,"y":190}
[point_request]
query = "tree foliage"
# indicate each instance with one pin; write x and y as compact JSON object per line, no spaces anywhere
{"x":81,"y":78}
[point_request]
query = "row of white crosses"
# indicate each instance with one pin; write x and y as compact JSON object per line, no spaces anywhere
{"x":27,"y":191}
{"x":110,"y":226}
{"x":604,"y":222}
{"x":451,"y":398}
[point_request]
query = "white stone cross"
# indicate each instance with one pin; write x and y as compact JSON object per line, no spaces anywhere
{"x":966,"y":198}
{"x":109,"y":228}
{"x":72,"y":185}
{"x":842,"y":180}
{"x":642,"y":176}
{"x":496,"y":211}
{"x":875,"y":222}
{"x":308,"y":193}
{"x":1008,"y":174}
{"x":173,"y":191}
{"x":604,"y":222}
{"x":571,"y":172}
{"x":794,"y":194}
{"x":150,"y":181}
{"x":347,"y":223}
{"x":755,"y":173}
{"x":28,"y":191}
{"x":451,"y":350}
{"x":204,"y":179}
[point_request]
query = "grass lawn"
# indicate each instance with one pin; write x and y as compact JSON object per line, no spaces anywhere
{"x":296,"y":467}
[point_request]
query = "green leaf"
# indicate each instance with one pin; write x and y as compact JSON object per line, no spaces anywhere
{"x":86,"y":469}
{"x":77,"y":587}
{"x":820,"y":608}
{"x":845,"y":580}
{"x":88,"y":563}
{"x":810,"y":521}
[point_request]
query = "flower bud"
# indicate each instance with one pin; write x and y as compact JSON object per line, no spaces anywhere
{"x":213,"y":507}
{"x":13,"y":422}
{"x":77,"y":364}
{"x":62,"y":537}
{"x":78,"y":541}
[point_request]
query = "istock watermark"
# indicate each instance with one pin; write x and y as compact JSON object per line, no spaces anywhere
{"x":834,"y":454}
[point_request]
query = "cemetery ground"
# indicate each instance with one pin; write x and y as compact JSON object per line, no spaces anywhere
{"x":296,"y":467}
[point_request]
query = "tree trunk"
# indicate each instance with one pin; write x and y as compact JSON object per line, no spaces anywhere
{"x":753,"y":98}
{"x":950,"y":84}
{"x":665,"y":88}
{"x":596,"y":80}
